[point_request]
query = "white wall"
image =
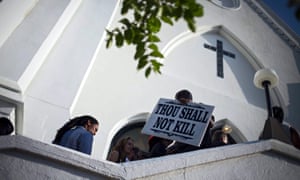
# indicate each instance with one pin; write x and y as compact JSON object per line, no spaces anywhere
{"x":254,"y":160}
{"x":13,"y":13}
{"x":26,"y":39}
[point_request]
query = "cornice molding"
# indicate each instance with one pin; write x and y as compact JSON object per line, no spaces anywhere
{"x":279,"y":28}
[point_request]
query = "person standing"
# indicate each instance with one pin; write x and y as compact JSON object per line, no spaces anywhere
{"x":78,"y":134}
{"x":219,"y":138}
{"x":6,"y":127}
{"x":290,"y":131}
{"x":184,"y":97}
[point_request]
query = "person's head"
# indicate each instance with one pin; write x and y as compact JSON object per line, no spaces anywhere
{"x":211,"y":121}
{"x":88,"y":122}
{"x":128,"y":145}
{"x":91,"y":125}
{"x":220,"y":137}
{"x":124,"y":147}
{"x":6,"y":127}
{"x":278,"y":113}
{"x":184,"y":96}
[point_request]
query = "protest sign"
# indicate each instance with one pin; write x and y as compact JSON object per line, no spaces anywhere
{"x":184,"y":123}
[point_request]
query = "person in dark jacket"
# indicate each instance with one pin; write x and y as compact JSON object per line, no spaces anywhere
{"x":159,"y":148}
{"x":184,"y":97}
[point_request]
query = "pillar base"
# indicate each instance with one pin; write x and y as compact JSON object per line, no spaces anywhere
{"x":274,"y":130}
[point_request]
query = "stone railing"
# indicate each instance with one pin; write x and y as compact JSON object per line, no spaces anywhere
{"x":27,"y":159}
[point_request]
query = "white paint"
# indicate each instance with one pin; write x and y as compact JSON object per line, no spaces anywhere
{"x":13,"y":13}
{"x":49,"y":42}
{"x":255,"y":160}
{"x":17,"y":51}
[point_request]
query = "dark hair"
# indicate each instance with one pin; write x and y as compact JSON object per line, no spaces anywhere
{"x":278,"y":113}
{"x":77,"y":121}
{"x":213,"y":118}
{"x":6,"y":127}
{"x":152,"y":141}
{"x":217,"y":135}
{"x":183,"y":94}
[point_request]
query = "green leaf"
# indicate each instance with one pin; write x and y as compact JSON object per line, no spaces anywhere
{"x":128,"y":35}
{"x":177,"y":13}
{"x":198,"y":12}
{"x":109,"y":39}
{"x":140,"y":46}
{"x":166,"y":10}
{"x":152,"y":38}
{"x":137,"y":16}
{"x":126,"y":22}
{"x":167,"y":20}
{"x":187,"y":15}
{"x":126,"y":6}
{"x":140,"y":50}
{"x":147,"y":72}
{"x":142,"y":63}
{"x":154,"y":24}
{"x":108,"y":43}
{"x":156,"y":65}
{"x":191,"y":25}
{"x":153,"y":47}
{"x":119,"y":40}
{"x":138,"y":36}
{"x":156,"y":54}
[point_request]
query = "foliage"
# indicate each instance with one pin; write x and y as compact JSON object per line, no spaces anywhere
{"x":145,"y":23}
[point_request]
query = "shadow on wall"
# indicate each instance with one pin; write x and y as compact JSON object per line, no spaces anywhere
{"x":293,"y":108}
{"x":297,"y":57}
{"x":294,"y":97}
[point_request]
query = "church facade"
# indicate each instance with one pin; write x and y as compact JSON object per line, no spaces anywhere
{"x":54,"y":66}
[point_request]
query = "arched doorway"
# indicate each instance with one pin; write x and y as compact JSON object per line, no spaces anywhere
{"x":234,"y":134}
{"x":132,"y":130}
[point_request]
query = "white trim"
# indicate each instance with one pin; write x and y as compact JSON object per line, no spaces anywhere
{"x":40,"y":56}
{"x":9,"y":85}
{"x":95,"y":55}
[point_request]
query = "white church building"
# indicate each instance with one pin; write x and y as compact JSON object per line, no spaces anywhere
{"x":54,"y":66}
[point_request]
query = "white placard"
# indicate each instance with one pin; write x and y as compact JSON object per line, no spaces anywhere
{"x":184,"y":123}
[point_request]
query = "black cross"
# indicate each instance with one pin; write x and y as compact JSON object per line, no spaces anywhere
{"x":220,"y":53}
